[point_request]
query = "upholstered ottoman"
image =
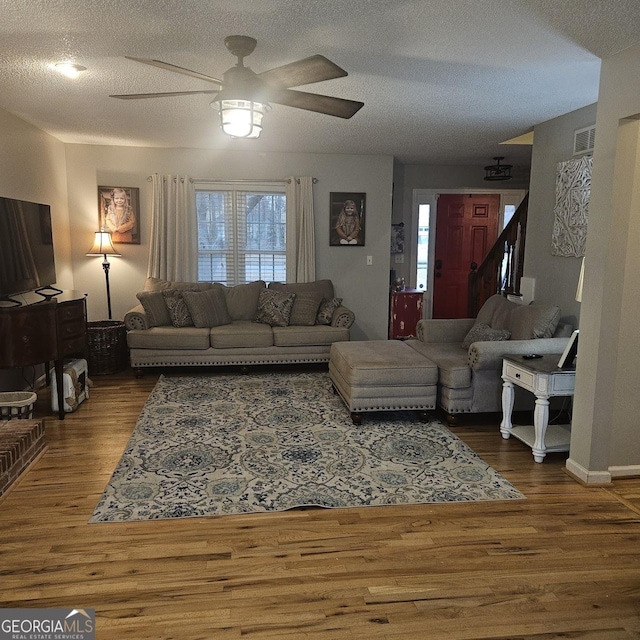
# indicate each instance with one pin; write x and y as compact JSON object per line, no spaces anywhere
{"x":382,"y":375}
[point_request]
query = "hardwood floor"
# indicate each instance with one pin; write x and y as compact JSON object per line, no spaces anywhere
{"x":564,"y":563}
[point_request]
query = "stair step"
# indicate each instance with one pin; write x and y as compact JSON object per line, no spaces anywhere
{"x":21,"y":441}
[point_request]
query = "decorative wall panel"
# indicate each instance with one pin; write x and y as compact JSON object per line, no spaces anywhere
{"x":573,"y":190}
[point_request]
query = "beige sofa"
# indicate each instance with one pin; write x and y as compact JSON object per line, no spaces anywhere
{"x":468,"y":351}
{"x":209,"y":324}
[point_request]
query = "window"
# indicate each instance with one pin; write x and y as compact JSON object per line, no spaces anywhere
{"x":241,"y":233}
{"x":509,"y":210}
{"x":422,"y":270}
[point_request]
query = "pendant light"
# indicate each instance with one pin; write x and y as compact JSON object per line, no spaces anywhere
{"x":494,"y":172}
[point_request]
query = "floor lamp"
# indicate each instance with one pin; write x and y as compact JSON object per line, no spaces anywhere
{"x":102,"y":246}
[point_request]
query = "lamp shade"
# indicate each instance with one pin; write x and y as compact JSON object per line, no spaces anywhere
{"x":102,"y":245}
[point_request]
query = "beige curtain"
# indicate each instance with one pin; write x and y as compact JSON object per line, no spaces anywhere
{"x":301,"y":246}
{"x":173,"y":254}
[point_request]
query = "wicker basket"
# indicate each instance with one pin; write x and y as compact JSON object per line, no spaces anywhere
{"x":108,"y":351}
{"x":17,"y":404}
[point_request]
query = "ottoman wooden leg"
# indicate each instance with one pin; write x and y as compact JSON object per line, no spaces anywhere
{"x":425,"y":416}
{"x":356,"y":417}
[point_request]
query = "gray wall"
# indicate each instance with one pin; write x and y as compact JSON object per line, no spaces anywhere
{"x":32,"y":167}
{"x":605,"y":440}
{"x":364,"y":288}
{"x":556,"y":277}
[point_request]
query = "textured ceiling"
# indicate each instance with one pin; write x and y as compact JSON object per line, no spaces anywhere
{"x":442,"y":81}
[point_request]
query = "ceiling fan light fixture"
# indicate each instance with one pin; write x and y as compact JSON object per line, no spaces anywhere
{"x":241,"y":118}
{"x":494,"y":172}
{"x":244,"y":96}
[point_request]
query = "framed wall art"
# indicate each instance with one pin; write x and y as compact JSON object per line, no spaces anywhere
{"x":347,"y":218}
{"x":397,"y":238}
{"x":571,"y":211}
{"x":119,"y":213}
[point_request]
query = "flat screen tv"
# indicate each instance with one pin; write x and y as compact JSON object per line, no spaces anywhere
{"x":27,"y":262}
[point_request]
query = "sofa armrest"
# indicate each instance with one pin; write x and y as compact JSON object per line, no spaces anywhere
{"x":136,"y":318}
{"x":450,"y":330}
{"x":343,"y":317}
{"x":487,"y":356}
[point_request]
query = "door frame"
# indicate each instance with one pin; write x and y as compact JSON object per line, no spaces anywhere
{"x":430,"y":197}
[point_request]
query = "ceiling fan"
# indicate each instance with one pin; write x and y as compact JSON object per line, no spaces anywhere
{"x":243,"y":95}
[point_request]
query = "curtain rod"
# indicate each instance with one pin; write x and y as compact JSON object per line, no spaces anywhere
{"x":315,"y":180}
{"x":150,"y":178}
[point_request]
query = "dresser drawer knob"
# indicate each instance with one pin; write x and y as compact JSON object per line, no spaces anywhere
{"x":518,"y":375}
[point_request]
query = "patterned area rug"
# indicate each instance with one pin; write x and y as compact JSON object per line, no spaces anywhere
{"x":213,"y":445}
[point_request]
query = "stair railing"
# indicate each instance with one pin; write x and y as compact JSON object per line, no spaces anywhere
{"x":501,"y":270}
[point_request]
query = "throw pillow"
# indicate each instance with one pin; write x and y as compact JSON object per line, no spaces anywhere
{"x":178,"y":310}
{"x":274,"y":307}
{"x":327,"y":309}
{"x":305,"y":308}
{"x":323,"y":287}
{"x":495,"y":312}
{"x":156,"y":284}
{"x":242,"y":300}
{"x":207,"y":308}
{"x":533,"y":321}
{"x":155,"y":308}
{"x":481,"y":332}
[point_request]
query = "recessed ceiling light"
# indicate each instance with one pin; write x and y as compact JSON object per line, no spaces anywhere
{"x":70,"y":69}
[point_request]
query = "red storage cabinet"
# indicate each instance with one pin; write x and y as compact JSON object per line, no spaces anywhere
{"x":405,"y":311}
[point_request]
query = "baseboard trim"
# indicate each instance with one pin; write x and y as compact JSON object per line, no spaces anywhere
{"x":586,"y":477}
{"x":625,"y":471}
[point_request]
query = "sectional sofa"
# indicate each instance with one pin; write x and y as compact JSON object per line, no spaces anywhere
{"x":469,"y":351}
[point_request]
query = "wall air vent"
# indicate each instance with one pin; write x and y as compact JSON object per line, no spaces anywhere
{"x":583,"y":140}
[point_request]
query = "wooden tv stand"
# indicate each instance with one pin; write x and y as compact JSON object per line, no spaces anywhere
{"x":40,"y":331}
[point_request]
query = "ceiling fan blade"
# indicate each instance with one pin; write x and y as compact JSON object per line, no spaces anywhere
{"x":169,"y":94}
{"x":176,"y":69}
{"x":328,"y":105}
{"x":313,"y":69}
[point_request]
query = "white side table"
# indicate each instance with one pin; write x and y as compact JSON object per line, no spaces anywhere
{"x":542,"y":378}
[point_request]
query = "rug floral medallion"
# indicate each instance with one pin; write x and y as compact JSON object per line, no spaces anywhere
{"x":214,"y":445}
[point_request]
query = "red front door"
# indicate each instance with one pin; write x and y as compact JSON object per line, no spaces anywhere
{"x":466,"y":228}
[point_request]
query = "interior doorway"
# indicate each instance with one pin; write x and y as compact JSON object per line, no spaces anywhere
{"x":420,"y":237}
{"x":467,"y":227}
